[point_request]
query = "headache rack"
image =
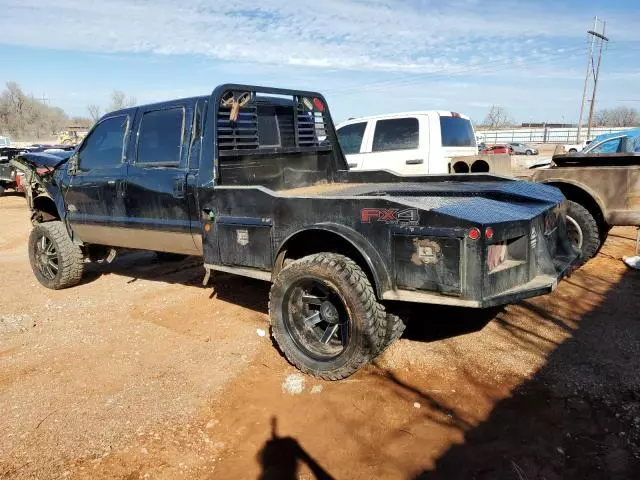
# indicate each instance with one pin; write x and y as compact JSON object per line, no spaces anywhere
{"x":253,"y":121}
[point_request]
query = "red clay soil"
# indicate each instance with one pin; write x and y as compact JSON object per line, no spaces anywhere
{"x":142,"y":373}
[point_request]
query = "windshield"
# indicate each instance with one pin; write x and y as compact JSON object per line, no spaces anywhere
{"x":457,"y":132}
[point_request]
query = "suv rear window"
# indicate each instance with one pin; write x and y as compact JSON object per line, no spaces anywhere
{"x":456,"y":132}
{"x":395,"y":134}
{"x":350,"y":137}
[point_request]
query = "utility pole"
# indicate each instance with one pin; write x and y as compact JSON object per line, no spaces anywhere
{"x":586,"y":79}
{"x":595,"y":80}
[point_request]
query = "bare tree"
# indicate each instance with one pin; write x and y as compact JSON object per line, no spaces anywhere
{"x":94,"y":112}
{"x":497,"y":117}
{"x":23,"y":116}
{"x":617,"y":117}
{"x":601,"y":118}
{"x":119,"y":100}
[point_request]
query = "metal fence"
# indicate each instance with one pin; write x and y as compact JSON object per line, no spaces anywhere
{"x":542,"y":135}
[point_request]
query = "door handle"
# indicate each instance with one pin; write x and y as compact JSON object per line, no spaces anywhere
{"x":352,"y":165}
{"x":179,"y":186}
{"x":415,"y":161}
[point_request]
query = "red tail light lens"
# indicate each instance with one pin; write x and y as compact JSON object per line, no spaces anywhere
{"x":488,"y":233}
{"x":474,"y":234}
{"x":318,"y":104}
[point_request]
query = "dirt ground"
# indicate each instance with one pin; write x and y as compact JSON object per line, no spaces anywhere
{"x":140,"y":372}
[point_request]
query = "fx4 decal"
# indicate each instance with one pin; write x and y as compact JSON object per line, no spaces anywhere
{"x":407,"y":216}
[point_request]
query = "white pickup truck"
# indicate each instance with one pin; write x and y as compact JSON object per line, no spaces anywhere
{"x":409,"y":143}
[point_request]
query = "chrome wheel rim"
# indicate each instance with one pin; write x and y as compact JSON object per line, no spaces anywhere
{"x":316,"y":319}
{"x":575,"y":233}
{"x":47,"y":258}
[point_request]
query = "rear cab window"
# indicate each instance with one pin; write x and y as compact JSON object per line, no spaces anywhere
{"x":160,"y":137}
{"x":396,"y":134}
{"x":350,"y":137}
{"x":456,"y":132}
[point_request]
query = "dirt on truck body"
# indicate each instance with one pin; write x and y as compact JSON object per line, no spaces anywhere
{"x":253,"y":180}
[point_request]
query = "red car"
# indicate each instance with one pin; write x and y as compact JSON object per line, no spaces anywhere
{"x":497,"y":149}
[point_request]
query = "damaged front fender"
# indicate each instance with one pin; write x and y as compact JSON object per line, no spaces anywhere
{"x":41,"y":189}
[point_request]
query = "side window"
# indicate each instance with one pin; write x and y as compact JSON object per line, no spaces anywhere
{"x":160,"y":137}
{"x":395,"y":134}
{"x":104,"y":146}
{"x":350,"y":137}
{"x":610,"y":146}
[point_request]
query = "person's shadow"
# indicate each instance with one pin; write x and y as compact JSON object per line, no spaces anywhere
{"x":280,"y":456}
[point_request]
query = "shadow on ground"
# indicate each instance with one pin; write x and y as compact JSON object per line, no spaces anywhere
{"x":281,"y":457}
{"x":140,"y":265}
{"x":577,"y":417}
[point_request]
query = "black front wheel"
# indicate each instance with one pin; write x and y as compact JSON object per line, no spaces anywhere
{"x":56,"y":261}
{"x":325,"y":317}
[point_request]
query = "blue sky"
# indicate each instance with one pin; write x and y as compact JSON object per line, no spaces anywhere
{"x":366,"y":56}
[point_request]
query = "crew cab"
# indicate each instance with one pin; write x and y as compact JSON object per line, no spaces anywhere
{"x":253,"y":180}
{"x":410,"y":143}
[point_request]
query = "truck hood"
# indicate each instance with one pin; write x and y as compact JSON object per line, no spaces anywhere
{"x":50,"y":160}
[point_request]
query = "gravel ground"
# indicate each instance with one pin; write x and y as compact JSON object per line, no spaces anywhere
{"x":142,"y":373}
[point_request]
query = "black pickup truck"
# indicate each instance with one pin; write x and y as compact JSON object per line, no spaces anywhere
{"x":253,"y":180}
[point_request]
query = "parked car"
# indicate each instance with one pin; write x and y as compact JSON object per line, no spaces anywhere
{"x":9,"y":176}
{"x":264,"y":191}
{"x":497,"y":150}
{"x":523,"y":149}
{"x":602,"y":186}
{"x":576,"y":147}
{"x":408,"y":143}
{"x":627,"y":141}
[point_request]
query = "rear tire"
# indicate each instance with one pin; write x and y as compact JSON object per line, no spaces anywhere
{"x":584,"y":232}
{"x":56,"y":261}
{"x":1,"y":190}
{"x":573,"y":150}
{"x":325,"y":317}
{"x":528,"y":152}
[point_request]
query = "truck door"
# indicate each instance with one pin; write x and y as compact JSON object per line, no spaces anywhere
{"x":398,"y":145}
{"x":156,"y":197}
{"x":193,"y":164}
{"x":97,"y":173}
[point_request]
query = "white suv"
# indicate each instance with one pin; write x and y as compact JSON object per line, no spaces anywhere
{"x":409,"y":143}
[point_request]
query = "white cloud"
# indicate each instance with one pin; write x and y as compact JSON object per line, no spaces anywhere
{"x":417,"y":36}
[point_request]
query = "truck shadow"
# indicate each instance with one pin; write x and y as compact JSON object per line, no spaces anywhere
{"x":431,"y":323}
{"x":188,"y":271}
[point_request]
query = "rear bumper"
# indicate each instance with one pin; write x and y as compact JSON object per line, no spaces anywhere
{"x":540,"y":285}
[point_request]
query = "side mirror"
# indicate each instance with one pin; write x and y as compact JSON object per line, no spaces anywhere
{"x":72,"y":164}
